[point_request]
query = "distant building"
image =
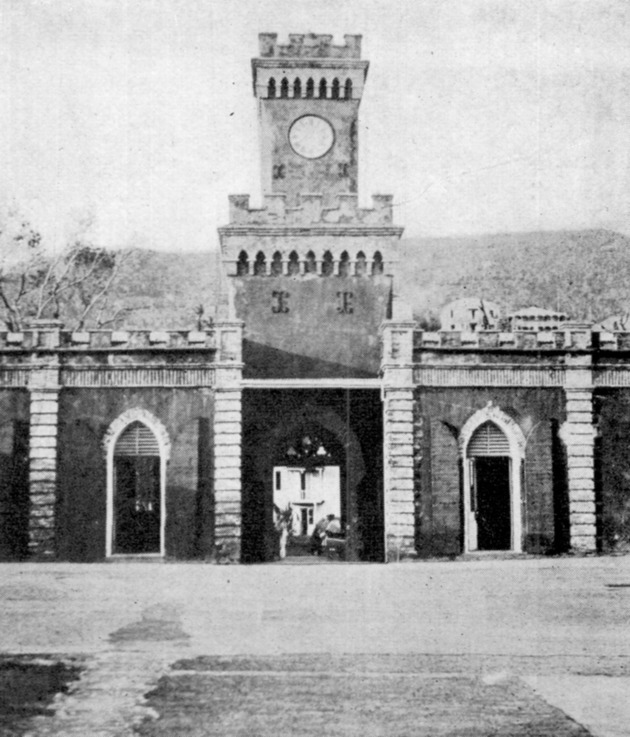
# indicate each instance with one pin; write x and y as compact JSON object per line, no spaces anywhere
{"x":470,"y":314}
{"x":537,"y":319}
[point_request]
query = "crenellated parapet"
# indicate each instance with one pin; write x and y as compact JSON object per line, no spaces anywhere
{"x":543,"y":340}
{"x":119,"y":357}
{"x":309,"y":66}
{"x":311,"y":211}
{"x":309,"y":46}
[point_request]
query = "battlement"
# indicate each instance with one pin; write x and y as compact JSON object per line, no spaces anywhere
{"x":308,"y":46}
{"x":311,"y":211}
{"x":111,"y":340}
{"x":568,"y":339}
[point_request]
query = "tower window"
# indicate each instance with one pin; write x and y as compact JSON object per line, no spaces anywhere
{"x":242,"y":266}
{"x":327,"y":264}
{"x":297,"y":87}
{"x":294,"y":264}
{"x":323,"y":88}
{"x":348,"y":89}
{"x":344,"y":264}
{"x":310,"y":265}
{"x":276,"y":264}
{"x":334,"y":90}
{"x":260,"y":265}
{"x":310,"y":87}
{"x":271,"y":88}
{"x":361,"y":264}
{"x":377,"y":264}
{"x":284,"y":87}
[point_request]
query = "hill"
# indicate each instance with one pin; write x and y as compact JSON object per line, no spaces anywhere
{"x":582,"y":273}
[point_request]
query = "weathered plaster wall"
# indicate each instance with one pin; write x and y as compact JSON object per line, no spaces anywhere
{"x":84,"y":417}
{"x":313,"y":337}
{"x":439,"y":417}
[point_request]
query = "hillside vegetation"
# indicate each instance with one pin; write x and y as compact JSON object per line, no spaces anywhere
{"x":583,"y":273}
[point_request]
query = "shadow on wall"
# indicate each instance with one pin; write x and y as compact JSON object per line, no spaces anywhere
{"x":14,"y":491}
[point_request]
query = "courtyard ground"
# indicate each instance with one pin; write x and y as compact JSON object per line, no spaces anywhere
{"x":478,"y":647}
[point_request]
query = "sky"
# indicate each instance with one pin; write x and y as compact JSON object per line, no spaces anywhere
{"x":134,"y":119}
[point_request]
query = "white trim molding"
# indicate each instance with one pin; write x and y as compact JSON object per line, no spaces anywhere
{"x":517,"y":442}
{"x":115,"y":430}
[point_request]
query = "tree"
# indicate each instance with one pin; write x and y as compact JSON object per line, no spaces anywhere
{"x":73,"y":285}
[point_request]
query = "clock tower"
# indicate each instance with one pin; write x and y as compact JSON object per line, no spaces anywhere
{"x":308,"y":94}
{"x":309,"y":273}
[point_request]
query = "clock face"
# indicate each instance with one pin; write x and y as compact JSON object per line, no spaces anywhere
{"x":311,"y":136}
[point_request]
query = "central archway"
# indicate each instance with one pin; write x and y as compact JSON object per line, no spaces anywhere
{"x":320,"y":451}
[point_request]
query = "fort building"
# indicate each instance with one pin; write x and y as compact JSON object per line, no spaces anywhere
{"x":314,"y":390}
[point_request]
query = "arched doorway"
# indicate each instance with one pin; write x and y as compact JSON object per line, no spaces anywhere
{"x":137,"y":449}
{"x":309,"y":479}
{"x":323,"y":447}
{"x":492,"y":449}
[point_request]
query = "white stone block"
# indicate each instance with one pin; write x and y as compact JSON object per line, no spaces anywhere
{"x":226,"y":438}
{"x":80,"y":337}
{"x":227,"y":461}
{"x":227,"y":473}
{"x":43,"y":441}
{"x":15,"y":338}
{"x":119,"y":336}
{"x":580,"y":473}
{"x":226,"y":428}
{"x":39,"y":453}
{"x":196,"y":336}
{"x":159,"y":336}
{"x":583,"y":507}
{"x":226,"y":485}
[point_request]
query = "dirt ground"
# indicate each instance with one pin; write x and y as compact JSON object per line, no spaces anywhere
{"x":477,"y":647}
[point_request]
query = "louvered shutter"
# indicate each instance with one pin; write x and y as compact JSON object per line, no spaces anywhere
{"x":137,"y":440}
{"x":488,"y":440}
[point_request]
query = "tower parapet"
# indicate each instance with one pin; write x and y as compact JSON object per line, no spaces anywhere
{"x":311,"y":211}
{"x":309,"y":46}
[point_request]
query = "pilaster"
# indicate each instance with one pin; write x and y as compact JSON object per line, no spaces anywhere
{"x":44,"y":404}
{"x":227,"y":445}
{"x":578,"y":435}
{"x":398,"y":451}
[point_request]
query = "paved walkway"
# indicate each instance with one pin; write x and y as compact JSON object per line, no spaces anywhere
{"x":558,"y":625}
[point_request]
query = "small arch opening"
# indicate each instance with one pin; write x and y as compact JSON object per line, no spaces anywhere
{"x":348,"y":89}
{"x":276,"y":264}
{"x":297,"y":87}
{"x":360,"y":267}
{"x":334,"y":90}
{"x":323,"y":88}
{"x":377,"y":263}
{"x":293,"y":267}
{"x":310,"y":87}
{"x":310,"y":265}
{"x":260,"y":264}
{"x":242,"y":265}
{"x":328,"y":265}
{"x":344,"y":264}
{"x":284,"y":87}
{"x":271,"y":88}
